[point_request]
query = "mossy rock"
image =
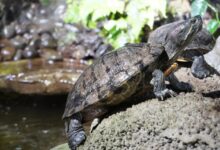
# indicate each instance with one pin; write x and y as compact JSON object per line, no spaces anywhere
{"x":61,"y":147}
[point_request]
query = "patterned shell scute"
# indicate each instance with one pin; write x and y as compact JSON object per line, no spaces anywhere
{"x":110,"y":79}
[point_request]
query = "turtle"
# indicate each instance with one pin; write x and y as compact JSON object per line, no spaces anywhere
{"x":120,"y":75}
{"x":202,"y":43}
{"x":208,"y":64}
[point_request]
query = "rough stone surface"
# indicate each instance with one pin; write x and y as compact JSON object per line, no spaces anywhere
{"x":188,"y":121}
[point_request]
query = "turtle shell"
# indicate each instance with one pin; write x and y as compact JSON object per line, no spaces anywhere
{"x":111,"y":79}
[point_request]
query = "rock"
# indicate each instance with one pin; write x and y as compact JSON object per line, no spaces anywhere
{"x":61,"y":147}
{"x":44,"y":25}
{"x":86,"y":45}
{"x":5,"y":43}
{"x":30,"y":52}
{"x":21,"y":28}
{"x":9,"y":30}
{"x":18,"y":55}
{"x":50,"y":54}
{"x":76,"y":52}
{"x":35,"y":42}
{"x":47,"y":41}
{"x":30,"y":13}
{"x":19,"y":42}
{"x":8,"y":53}
{"x":188,"y":121}
{"x":38,"y":76}
{"x":28,"y":36}
{"x":34,"y":29}
{"x":212,"y":58}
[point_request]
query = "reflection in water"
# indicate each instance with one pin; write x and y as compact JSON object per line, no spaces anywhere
{"x":32,"y":123}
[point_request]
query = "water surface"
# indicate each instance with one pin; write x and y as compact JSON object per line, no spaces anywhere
{"x":31,"y":122}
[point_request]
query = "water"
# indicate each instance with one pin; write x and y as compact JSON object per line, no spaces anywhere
{"x":31,"y":123}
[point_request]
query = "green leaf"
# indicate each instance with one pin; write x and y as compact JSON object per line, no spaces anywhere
{"x":45,"y":2}
{"x":199,"y":7}
{"x":122,"y":20}
{"x":212,"y":26}
{"x":104,"y":8}
{"x":120,"y":24}
{"x":72,"y":13}
{"x":141,"y":12}
{"x":120,"y":40}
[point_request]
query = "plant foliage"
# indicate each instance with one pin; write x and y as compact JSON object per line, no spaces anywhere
{"x":199,"y":7}
{"x":122,"y":20}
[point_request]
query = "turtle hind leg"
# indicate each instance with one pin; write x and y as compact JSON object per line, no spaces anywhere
{"x":158,"y":82}
{"x":177,"y":85}
{"x":74,"y":131}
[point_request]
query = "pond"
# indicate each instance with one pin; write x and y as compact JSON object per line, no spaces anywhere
{"x":34,"y":122}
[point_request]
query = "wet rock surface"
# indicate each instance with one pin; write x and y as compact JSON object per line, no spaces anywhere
{"x":38,"y":32}
{"x":188,"y":121}
{"x":39,"y":27}
{"x":39,"y":76}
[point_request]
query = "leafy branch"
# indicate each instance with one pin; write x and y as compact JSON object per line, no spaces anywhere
{"x":122,"y":21}
{"x":199,"y":7}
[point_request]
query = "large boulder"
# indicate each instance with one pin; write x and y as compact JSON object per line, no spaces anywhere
{"x":188,"y":121}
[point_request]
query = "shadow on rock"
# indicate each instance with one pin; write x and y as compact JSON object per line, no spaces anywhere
{"x":212,"y":94}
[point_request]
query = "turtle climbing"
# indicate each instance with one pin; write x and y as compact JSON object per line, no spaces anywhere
{"x":120,"y":75}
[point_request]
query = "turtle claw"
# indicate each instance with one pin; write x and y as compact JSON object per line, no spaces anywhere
{"x":76,"y":139}
{"x":160,"y":89}
{"x":172,"y":93}
{"x":164,"y":93}
{"x":94,"y":124}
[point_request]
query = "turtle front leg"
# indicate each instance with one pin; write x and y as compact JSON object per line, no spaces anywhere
{"x":158,"y":81}
{"x":177,"y":85}
{"x":200,"y":68}
{"x":74,"y":131}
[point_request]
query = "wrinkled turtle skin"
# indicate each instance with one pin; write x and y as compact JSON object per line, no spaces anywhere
{"x":119,"y":75}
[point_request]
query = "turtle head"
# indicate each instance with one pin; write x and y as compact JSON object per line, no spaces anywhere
{"x":180,"y":35}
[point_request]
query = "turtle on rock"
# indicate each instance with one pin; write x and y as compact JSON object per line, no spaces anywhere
{"x":120,"y":75}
